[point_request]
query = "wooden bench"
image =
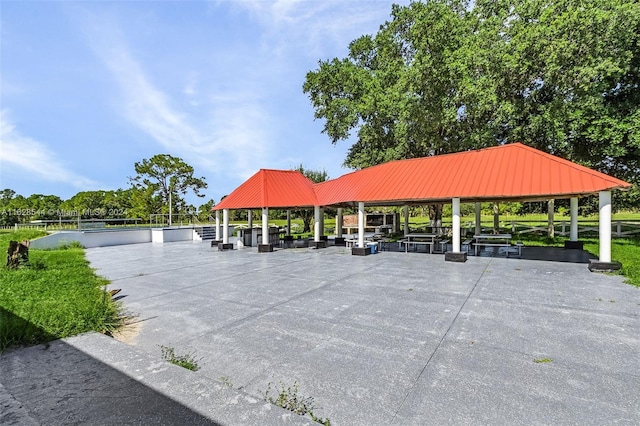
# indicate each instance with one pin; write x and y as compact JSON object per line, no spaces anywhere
{"x":415,"y":245}
{"x":519,"y":244}
{"x":401,"y":242}
{"x":443,"y":245}
{"x":508,"y":245}
{"x":491,"y":244}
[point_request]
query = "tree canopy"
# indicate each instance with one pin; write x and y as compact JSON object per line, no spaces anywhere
{"x":159,"y":176}
{"x":450,"y":75}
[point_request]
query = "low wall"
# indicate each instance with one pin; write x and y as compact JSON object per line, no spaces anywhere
{"x":116,"y":237}
{"x":169,"y":235}
{"x":93,"y":238}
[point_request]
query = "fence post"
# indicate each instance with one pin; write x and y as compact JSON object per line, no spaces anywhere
{"x":618,"y":229}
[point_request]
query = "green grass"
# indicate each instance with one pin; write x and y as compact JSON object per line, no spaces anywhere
{"x":187,"y":361}
{"x":287,"y":397}
{"x":58,"y":296}
{"x":624,"y":250}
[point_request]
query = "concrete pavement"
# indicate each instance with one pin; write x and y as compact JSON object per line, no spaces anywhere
{"x":393,"y":338}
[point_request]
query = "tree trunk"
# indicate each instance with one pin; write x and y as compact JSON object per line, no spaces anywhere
{"x":496,"y":218}
{"x":17,"y":254}
{"x":435,"y":218}
{"x":307,"y":216}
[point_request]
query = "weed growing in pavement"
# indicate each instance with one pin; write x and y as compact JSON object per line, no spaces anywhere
{"x":187,"y":361}
{"x":542,"y":360}
{"x":289,"y":399}
{"x":226,"y":381}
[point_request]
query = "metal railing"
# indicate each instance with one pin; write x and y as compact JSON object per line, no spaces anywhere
{"x":178,"y":219}
{"x":83,"y":224}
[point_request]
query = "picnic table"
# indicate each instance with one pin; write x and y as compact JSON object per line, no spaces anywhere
{"x":492,"y":240}
{"x":352,"y":239}
{"x":416,"y":239}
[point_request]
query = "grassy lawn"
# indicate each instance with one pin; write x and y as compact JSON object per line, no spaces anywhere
{"x":623,"y":250}
{"x":57,"y":296}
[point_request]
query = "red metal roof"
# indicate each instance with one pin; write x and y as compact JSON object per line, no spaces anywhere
{"x":508,"y":172}
{"x":271,"y":188}
{"x":513,"y":171}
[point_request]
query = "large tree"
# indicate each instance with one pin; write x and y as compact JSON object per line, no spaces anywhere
{"x":569,"y":78}
{"x":446,"y":75}
{"x":160,"y":176}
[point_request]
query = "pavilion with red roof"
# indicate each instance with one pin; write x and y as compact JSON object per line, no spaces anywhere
{"x":511,"y":172}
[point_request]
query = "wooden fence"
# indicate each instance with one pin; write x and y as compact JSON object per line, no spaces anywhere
{"x":619,"y":228}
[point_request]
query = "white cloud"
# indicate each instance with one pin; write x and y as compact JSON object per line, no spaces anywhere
{"x":316,"y":27}
{"x":34,"y":158}
{"x":145,"y":105}
{"x":231,"y":136}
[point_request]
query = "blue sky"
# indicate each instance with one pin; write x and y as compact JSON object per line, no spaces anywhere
{"x":89,"y":88}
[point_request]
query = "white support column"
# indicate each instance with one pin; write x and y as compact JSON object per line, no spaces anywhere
{"x":361,"y":216}
{"x":406,"y":220}
{"x":551,"y":231}
{"x":478,"y":219}
{"x":604,"y":221}
{"x":265,"y":225}
{"x":316,"y":223}
{"x":218,"y":225}
{"x":339,"y":223}
{"x":288,"y":222}
{"x":250,"y":229}
{"x":573,"y":230}
{"x":225,"y":226}
{"x":455,"y":207}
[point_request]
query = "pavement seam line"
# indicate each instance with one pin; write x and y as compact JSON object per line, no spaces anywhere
{"x":240,"y":321}
{"x":445,"y":334}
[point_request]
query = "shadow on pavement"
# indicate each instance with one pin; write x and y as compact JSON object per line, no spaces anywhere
{"x":55,"y":383}
{"x":557,"y":254}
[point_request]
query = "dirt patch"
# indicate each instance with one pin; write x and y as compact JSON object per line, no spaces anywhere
{"x":128,"y":332}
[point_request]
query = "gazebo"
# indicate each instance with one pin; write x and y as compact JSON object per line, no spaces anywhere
{"x":282,"y":189}
{"x":510,"y":172}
